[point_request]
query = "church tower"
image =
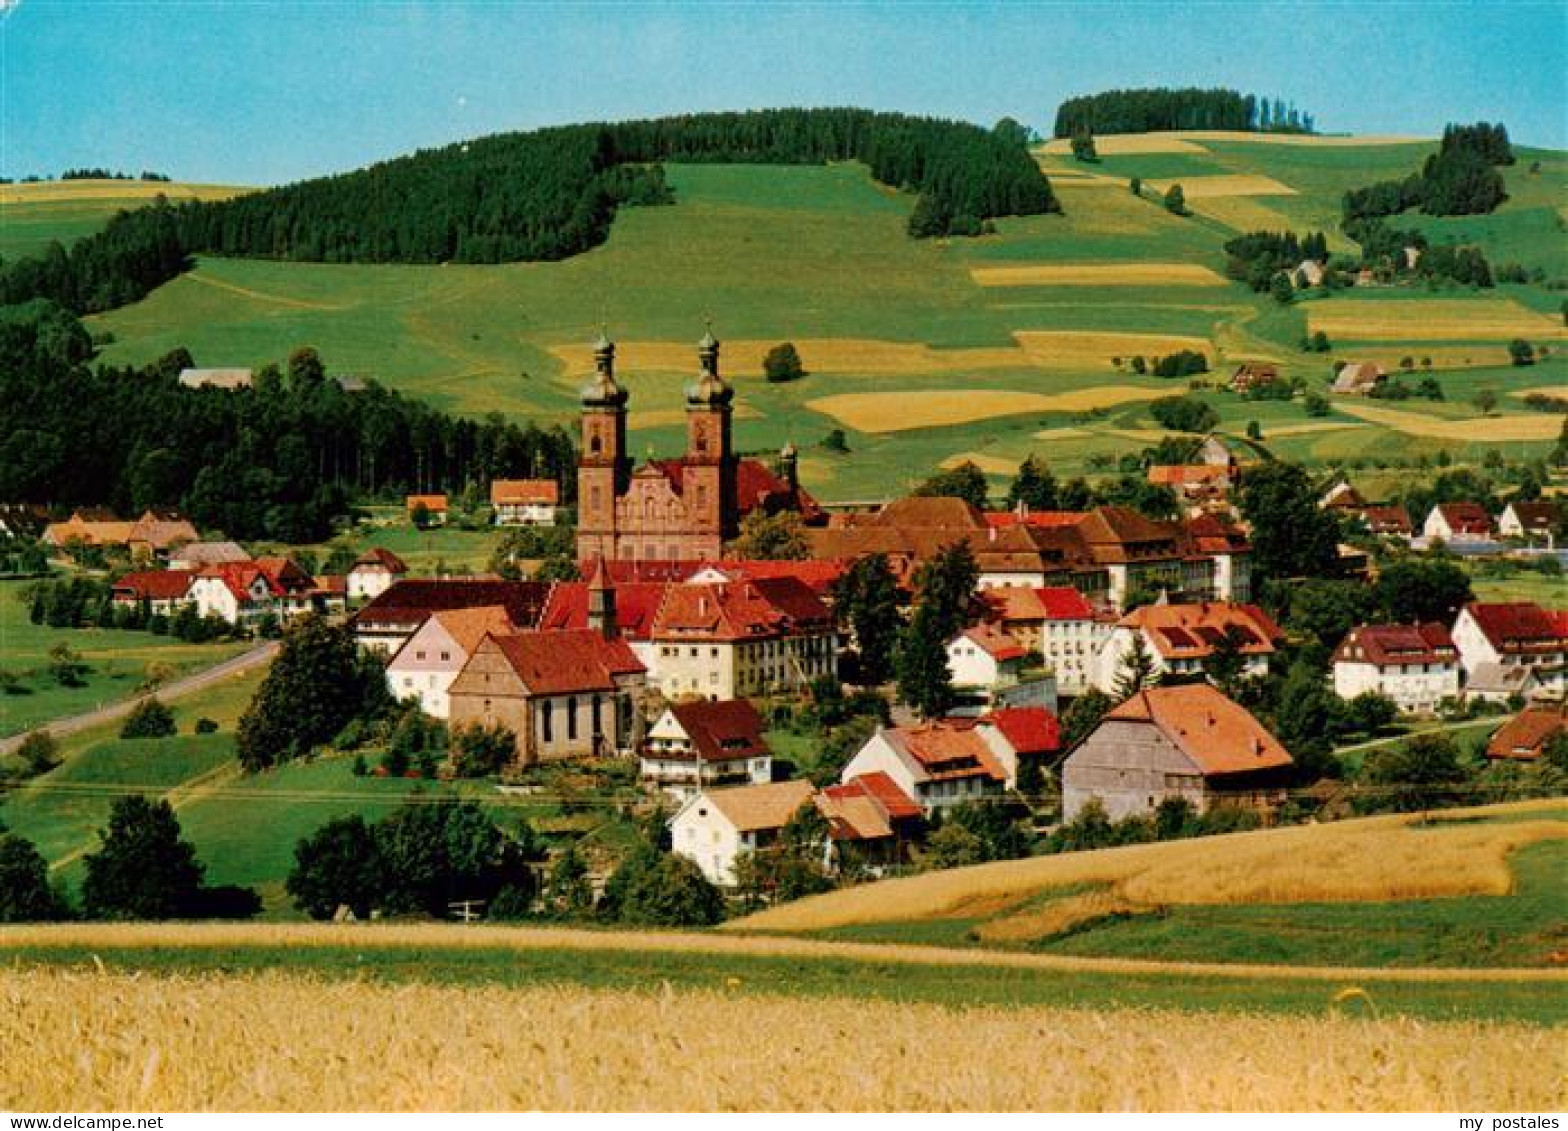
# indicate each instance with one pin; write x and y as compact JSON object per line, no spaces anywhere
{"x":604,"y":468}
{"x":709,"y":465}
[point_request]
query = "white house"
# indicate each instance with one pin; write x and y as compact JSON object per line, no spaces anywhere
{"x":425,"y":666}
{"x":1458,"y":522}
{"x":1057,"y":622}
{"x":237,"y":592}
{"x":701,"y":744}
{"x":525,"y":502}
{"x":938,"y":763}
{"x":1417,"y":666}
{"x":716,"y":825}
{"x":983,"y":659}
{"x":1519,"y":634}
{"x":373,"y":573}
{"x":1534,"y":521}
{"x":1182,"y":639}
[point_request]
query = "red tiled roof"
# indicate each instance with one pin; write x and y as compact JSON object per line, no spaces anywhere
{"x":436,"y":504}
{"x":1218,"y":734}
{"x":1520,"y":625}
{"x":947,"y":751}
{"x":1387,"y":644}
{"x":636,"y":604}
{"x":897,"y":804}
{"x":1181,"y":475}
{"x":559,"y":663}
{"x":739,"y":610}
{"x":819,"y":574}
{"x":1063,"y":603}
{"x":409,"y":601}
{"x":1046,"y":520}
{"x":154,"y":585}
{"x":524,"y":492}
{"x":1193,"y":631}
{"x":1392,"y":519}
{"x":722,"y":731}
{"x":238,"y":577}
{"x":1524,"y":737}
{"x":1028,"y":730}
{"x":994,"y":642}
{"x":1466,"y":518}
{"x":386,"y":559}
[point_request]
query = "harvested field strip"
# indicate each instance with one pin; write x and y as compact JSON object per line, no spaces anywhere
{"x":1308,"y":429}
{"x":1243,"y":213}
{"x":1075,"y":347}
{"x":1508,"y":428}
{"x":128,"y":939}
{"x":1542,"y":390}
{"x":101,"y":1041}
{"x":991,"y":465}
{"x":1429,"y":319}
{"x":1377,"y":859}
{"x":870,"y":356}
{"x":1062,"y":434}
{"x":938,"y":408}
{"x":1310,"y":140}
{"x":1441,"y":357}
{"x":1223,"y":185}
{"x":1097,"y":275}
{"x":1117,"y":145}
{"x":50,"y":192}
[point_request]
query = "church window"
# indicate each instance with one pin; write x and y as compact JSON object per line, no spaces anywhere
{"x":596,"y":445}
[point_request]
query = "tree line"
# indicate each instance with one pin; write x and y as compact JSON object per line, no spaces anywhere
{"x":280,"y":460}
{"x":1189,"y":108}
{"x":542,"y":195}
{"x":1460,"y":179}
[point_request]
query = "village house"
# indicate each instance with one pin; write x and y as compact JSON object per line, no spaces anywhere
{"x":1389,"y":521}
{"x":197,"y":555}
{"x":871,"y":824}
{"x":1181,"y":639}
{"x":983,"y":659}
{"x":1525,"y":737}
{"x":569,"y":694}
{"x":1188,"y":741}
{"x":1519,"y":634}
{"x":1057,"y":622}
{"x":701,"y":744}
{"x":1019,"y":736}
{"x":425,"y":666}
{"x":937,"y":763}
{"x":1357,"y":378}
{"x":386,"y":623}
{"x":230,"y":378}
{"x":373,"y":573}
{"x":1343,"y":496}
{"x":1497,"y":683}
{"x":1198,"y":487}
{"x":525,"y":502}
{"x":732,"y":640}
{"x":1308,"y":273}
{"x":152,"y":535}
{"x":432,"y":507}
{"x":243,"y":593}
{"x":1531,"y":522}
{"x":715,"y":826}
{"x":1252,"y":375}
{"x":1458,"y":522}
{"x":818,"y":575}
{"x":1415,"y":665}
{"x":162,"y":591}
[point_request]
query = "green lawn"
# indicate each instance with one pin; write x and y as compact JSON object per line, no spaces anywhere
{"x":33,"y":216}
{"x":119,"y":663}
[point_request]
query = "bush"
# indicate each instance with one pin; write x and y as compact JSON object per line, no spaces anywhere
{"x":657,"y":889}
{"x":39,"y":752}
{"x":206,"y":726}
{"x":149,"y":719}
{"x":1184,"y":414}
{"x":782,"y":363}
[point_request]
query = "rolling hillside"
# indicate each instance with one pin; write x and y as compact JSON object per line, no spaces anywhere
{"x":1008,"y":340}
{"x":31,"y":215}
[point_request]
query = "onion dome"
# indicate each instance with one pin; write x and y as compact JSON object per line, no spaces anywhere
{"x":709,"y":389}
{"x":602,"y":390}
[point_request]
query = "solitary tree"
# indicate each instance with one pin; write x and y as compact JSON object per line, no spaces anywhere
{"x":339,"y":865}
{"x":148,"y":719}
{"x":866,"y":601}
{"x":25,"y":894}
{"x":1485,"y":401}
{"x":1521,"y":352}
{"x":1083,"y":145}
{"x":142,"y":870}
{"x":782,"y":363}
{"x":1176,"y":201}
{"x":925,"y":682}
{"x":1136,"y":670}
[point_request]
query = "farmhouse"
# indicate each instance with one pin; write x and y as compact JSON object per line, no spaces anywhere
{"x":569,"y":694}
{"x":196,"y":555}
{"x":731,"y":640}
{"x":871,"y":823}
{"x":938,"y":763}
{"x":1253,"y":375}
{"x":386,"y":623}
{"x":1515,"y":635}
{"x":1308,"y":273}
{"x":243,"y":593}
{"x":983,"y":659}
{"x":1357,"y":378}
{"x":1057,"y":622}
{"x":1525,"y":737}
{"x":425,"y":666}
{"x":373,"y":573}
{"x":1187,"y":741}
{"x":1417,"y":666}
{"x":1343,"y":496}
{"x":525,"y":502}
{"x":192,"y":378}
{"x":1458,"y":522}
{"x":1534,"y":521}
{"x":163,"y":591}
{"x":153,"y":534}
{"x":673,"y":509}
{"x":433,"y":508}
{"x":715,"y":826}
{"x":1182,"y":639}
{"x":701,"y":744}
{"x":1020,"y":736}
{"x":1391,"y":521}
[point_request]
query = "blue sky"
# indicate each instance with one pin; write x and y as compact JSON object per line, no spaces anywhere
{"x":259,"y":92}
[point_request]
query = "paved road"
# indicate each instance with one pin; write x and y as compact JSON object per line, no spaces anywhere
{"x":187,"y":685}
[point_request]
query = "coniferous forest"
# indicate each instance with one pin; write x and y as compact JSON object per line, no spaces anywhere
{"x":543,"y":195}
{"x":279,"y":460}
{"x":1190,"y":108}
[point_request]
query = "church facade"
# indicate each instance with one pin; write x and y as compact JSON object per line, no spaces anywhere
{"x":681,"y":509}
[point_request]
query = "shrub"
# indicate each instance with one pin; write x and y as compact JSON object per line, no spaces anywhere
{"x":149,"y":719}
{"x":782,"y":363}
{"x":206,"y":726}
{"x":39,"y":752}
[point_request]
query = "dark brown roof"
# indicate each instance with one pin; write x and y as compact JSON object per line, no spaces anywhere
{"x":1520,"y":626}
{"x":409,"y":601}
{"x":1387,"y":644}
{"x":1525,"y":736}
{"x":723,"y":731}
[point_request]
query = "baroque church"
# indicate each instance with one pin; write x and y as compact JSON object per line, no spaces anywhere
{"x":681,"y":509}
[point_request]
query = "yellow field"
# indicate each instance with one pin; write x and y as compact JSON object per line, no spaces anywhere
{"x":1433,"y":319}
{"x":275,"y":1042}
{"x":53,"y":192}
{"x":1542,"y":390}
{"x":864,"y":356}
{"x":1097,"y":275}
{"x":1244,"y":213}
{"x":1376,"y":859}
{"x":1308,"y":429}
{"x":1062,"y":434}
{"x":663,"y":417}
{"x":1224,"y":185}
{"x":937,"y":408}
{"x":1442,"y":357}
{"x":1080,"y":347}
{"x":1116,"y":145}
{"x":1513,"y":427}
{"x":991,"y":465}
{"x":1299,"y":139}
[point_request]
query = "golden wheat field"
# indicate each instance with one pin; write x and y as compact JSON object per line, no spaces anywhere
{"x":1377,"y":859}
{"x":1078,"y":348}
{"x":937,"y":408}
{"x":98,"y":1041}
{"x":1116,"y":145}
{"x":743,"y":358}
{"x":1129,"y":274}
{"x":1223,"y":185}
{"x":991,"y":465}
{"x":1505,"y":428}
{"x":1245,"y":213}
{"x":54,"y":192}
{"x":1309,"y":428}
{"x":1429,"y":319}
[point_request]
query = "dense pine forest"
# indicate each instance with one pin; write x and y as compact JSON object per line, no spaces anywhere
{"x":1458,"y":180}
{"x":1190,"y":108}
{"x":543,"y":195}
{"x":280,"y":460}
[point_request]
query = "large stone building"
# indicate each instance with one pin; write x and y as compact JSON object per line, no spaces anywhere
{"x":672,"y":509}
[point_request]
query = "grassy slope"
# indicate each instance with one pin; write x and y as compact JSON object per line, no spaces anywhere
{"x":34,"y":215}
{"x":119,"y":661}
{"x":776,"y":253}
